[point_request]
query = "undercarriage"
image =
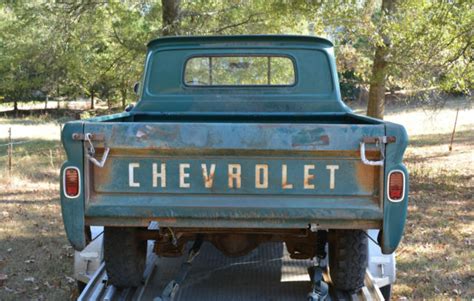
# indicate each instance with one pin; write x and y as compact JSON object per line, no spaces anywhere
{"x":301,"y":243}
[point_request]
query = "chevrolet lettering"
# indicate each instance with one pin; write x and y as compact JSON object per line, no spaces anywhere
{"x":236,"y":141}
{"x":207,"y":173}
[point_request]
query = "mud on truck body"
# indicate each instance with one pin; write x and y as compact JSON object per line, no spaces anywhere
{"x":236,"y":140}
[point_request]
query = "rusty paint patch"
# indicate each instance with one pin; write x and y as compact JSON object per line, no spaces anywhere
{"x":367,"y":176}
{"x":101,"y":176}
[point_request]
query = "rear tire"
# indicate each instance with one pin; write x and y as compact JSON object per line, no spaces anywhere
{"x":124,"y":256}
{"x":347,"y":259}
{"x":80,"y":286}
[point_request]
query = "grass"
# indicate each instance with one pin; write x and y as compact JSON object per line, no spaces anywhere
{"x":435,"y":258}
{"x":34,"y":252}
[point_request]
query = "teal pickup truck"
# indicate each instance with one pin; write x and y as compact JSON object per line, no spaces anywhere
{"x":236,"y":140}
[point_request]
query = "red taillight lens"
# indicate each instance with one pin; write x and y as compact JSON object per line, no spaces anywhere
{"x":396,"y":185}
{"x":71,"y":182}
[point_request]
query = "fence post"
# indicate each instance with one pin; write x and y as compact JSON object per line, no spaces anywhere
{"x":454,"y":130}
{"x":51,"y":159}
{"x":10,"y":152}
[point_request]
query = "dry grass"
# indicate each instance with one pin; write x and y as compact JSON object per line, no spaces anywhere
{"x":34,"y":252}
{"x":435,"y":259}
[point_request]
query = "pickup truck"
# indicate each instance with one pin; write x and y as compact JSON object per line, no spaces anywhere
{"x":238,"y":141}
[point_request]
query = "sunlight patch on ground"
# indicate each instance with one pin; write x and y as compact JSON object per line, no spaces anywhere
{"x":422,"y":122}
{"x":48,"y":131}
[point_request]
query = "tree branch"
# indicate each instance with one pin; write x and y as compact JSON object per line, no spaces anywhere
{"x":246,"y":21}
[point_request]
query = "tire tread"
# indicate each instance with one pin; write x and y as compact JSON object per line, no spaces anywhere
{"x":124,"y":256}
{"x":348,"y":254}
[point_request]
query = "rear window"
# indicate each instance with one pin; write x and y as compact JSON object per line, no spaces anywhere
{"x":239,"y":71}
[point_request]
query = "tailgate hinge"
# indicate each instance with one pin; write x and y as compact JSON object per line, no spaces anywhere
{"x":92,"y":137}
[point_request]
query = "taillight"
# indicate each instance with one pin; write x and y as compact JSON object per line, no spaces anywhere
{"x":71,"y":182}
{"x":396,"y":186}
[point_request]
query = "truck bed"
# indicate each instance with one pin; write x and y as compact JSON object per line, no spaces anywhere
{"x":317,"y":118}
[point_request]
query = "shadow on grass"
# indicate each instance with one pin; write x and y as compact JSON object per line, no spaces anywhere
{"x":431,"y":180}
{"x":38,"y":116}
{"x":431,"y":260}
{"x":431,"y":276}
{"x":33,"y":246}
{"x":460,"y":137}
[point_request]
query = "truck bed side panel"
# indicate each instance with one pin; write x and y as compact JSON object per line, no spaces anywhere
{"x":73,"y":209}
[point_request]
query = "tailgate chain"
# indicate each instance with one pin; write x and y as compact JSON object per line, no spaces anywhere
{"x":380,"y":144}
{"x":91,"y":152}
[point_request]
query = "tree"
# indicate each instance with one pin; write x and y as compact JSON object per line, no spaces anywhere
{"x":171,"y":17}
{"x":375,"y":107}
{"x":96,"y":48}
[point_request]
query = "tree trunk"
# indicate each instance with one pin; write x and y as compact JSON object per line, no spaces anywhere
{"x":58,"y":104}
{"x":376,"y":105}
{"x":92,"y":100}
{"x":15,"y":105}
{"x":170,"y":16}
{"x":124,"y":98}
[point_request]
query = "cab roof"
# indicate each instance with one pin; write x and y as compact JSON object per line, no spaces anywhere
{"x":233,"y":40}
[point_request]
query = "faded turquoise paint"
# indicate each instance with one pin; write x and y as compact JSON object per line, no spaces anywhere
{"x":246,"y":211}
{"x":233,"y":136}
{"x":73,"y":209}
{"x":300,"y":125}
{"x":314,"y":90}
{"x":273,"y":143}
{"x":394,"y":212}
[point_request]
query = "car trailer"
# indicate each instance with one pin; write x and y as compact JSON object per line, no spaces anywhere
{"x":267,"y":273}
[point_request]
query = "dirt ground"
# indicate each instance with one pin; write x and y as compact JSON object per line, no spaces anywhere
{"x":435,"y":259}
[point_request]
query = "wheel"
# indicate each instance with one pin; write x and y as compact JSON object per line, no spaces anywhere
{"x":386,"y":292}
{"x":124,"y":256}
{"x":347,"y":259}
{"x":88,"y":234}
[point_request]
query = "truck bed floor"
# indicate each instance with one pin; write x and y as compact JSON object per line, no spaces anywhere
{"x":267,"y":273}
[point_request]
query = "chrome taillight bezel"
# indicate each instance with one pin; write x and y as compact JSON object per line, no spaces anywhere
{"x":388,"y":186}
{"x":78,"y":180}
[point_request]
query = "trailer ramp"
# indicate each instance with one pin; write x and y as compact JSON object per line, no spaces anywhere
{"x":267,"y":273}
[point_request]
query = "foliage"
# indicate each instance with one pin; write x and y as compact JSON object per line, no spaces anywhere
{"x":96,"y":49}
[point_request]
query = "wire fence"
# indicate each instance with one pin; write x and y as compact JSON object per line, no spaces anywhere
{"x":14,"y":153}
